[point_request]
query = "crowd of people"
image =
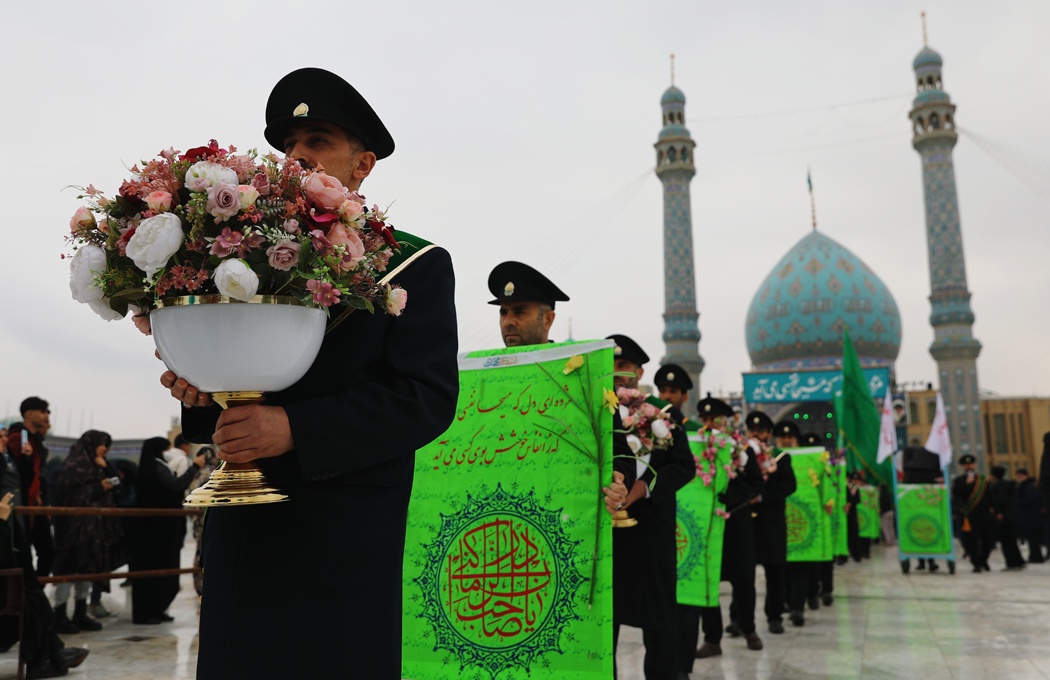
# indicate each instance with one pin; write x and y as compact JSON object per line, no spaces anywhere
{"x":89,"y":544}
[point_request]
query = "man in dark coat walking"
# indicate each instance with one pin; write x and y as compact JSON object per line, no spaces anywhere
{"x":311,"y":587}
{"x":771,"y":517}
{"x":644,"y":556}
{"x":971,"y":501}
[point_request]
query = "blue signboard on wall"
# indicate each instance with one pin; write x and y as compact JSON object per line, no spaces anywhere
{"x":794,"y":386}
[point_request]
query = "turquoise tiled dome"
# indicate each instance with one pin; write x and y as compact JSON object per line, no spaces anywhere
{"x":672,"y":96}
{"x":927,"y":57}
{"x":797,"y":316}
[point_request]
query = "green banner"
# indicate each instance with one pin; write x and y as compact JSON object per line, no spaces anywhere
{"x":839,"y":537}
{"x":868,"y":513}
{"x":810,"y":508}
{"x":508,"y":556}
{"x":923,"y":521}
{"x":699,"y":528}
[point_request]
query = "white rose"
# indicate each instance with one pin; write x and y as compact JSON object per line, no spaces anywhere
{"x":155,"y":241}
{"x":660,"y":429}
{"x":234,"y":278}
{"x":624,"y":412}
{"x":742,"y":460}
{"x":635,"y":443}
{"x":101,"y":307}
{"x":89,"y":262}
{"x":206,"y":174}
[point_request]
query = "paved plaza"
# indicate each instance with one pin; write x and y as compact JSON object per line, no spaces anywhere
{"x":882,"y":625}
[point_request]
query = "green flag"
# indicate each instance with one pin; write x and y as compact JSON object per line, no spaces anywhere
{"x":810,"y":509}
{"x":858,"y":419}
{"x":508,"y":554}
{"x":699,"y":528}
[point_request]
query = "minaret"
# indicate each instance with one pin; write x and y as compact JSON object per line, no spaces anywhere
{"x":674,"y":167}
{"x":954,"y":347}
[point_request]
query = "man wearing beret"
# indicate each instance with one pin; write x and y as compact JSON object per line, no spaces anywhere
{"x":770,"y":519}
{"x":971,"y":501}
{"x":526,"y":300}
{"x":673,"y":384}
{"x":644,"y":556}
{"x":311,"y":588}
{"x":738,"y":544}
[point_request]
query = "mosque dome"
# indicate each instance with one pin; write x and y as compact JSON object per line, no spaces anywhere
{"x":817,"y":289}
{"x":672,"y":96}
{"x":927,"y":57}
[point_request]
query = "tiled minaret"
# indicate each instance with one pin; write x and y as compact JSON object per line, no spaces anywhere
{"x":954,"y":347}
{"x":674,"y":167}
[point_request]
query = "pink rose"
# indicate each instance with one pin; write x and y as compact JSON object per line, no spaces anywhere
{"x":224,"y":201}
{"x":291,"y":226}
{"x":261,"y":182}
{"x":351,"y":210}
{"x":159,"y":201}
{"x":249,"y":195}
{"x":355,"y":247}
{"x":283,"y":255}
{"x":324,"y":191}
{"x":395,"y":300}
{"x":82,"y":220}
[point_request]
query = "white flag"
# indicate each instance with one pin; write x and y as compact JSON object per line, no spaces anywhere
{"x":940,"y":441}
{"x":888,"y":432}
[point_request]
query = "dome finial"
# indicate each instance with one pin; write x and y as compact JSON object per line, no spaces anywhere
{"x":672,"y":69}
{"x":812,"y":200}
{"x":923,"y":15}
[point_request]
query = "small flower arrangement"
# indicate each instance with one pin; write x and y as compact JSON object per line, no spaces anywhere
{"x":646,"y":426}
{"x":211,"y":221}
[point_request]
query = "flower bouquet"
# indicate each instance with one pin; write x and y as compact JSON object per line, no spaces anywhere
{"x":648,"y":428}
{"x":216,"y":252}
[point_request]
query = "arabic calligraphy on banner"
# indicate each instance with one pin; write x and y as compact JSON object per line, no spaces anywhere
{"x":498,"y":580}
{"x":768,"y":388}
{"x":508,"y":550}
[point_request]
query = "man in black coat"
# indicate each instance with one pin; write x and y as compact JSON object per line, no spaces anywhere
{"x":971,"y":501}
{"x":1030,"y":516}
{"x":738,"y":544}
{"x":770,"y":517}
{"x":644,"y":556}
{"x":1003,"y":493}
{"x":311,"y":587}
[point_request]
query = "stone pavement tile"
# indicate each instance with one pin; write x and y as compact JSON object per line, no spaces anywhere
{"x":902,"y":671}
{"x":985,"y":668}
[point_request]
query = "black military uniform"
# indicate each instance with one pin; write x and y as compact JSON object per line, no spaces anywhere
{"x":770,"y":524}
{"x":311,"y":588}
{"x":970,"y":499}
{"x":738,"y":557}
{"x":644,"y":556}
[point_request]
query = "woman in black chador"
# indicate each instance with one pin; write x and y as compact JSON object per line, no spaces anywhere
{"x":157,"y":541}
{"x":90,"y":544}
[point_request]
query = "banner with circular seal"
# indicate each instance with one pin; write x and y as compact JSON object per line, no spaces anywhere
{"x":809,"y":510}
{"x":508,"y":550}
{"x":923,"y":519}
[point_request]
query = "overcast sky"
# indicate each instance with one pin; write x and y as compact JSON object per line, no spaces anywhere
{"x":525,"y":131}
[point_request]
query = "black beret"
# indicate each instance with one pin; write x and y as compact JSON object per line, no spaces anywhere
{"x":810,"y":439}
{"x":629,"y":349}
{"x":968,"y":459}
{"x":787,"y":428}
{"x":997,"y":471}
{"x":758,"y":420}
{"x":315,"y":94}
{"x":673,"y":375}
{"x":709,"y":406}
{"x":32,"y":404}
{"x":517,"y":282}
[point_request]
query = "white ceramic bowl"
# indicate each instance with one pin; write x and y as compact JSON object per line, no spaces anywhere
{"x":217,"y":344}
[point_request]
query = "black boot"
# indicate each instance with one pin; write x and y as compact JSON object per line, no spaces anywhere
{"x":63,"y":625}
{"x":81,"y":618}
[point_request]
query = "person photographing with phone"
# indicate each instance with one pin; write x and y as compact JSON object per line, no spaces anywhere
{"x":25,"y":445}
{"x":87,"y":544}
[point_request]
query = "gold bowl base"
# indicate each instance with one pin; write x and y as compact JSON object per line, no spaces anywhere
{"x":234,"y":485}
{"x":621,"y":520}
